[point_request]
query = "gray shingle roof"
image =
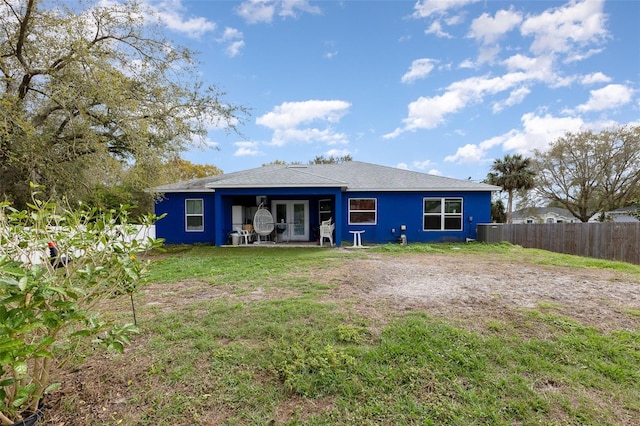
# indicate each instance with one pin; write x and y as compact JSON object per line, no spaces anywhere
{"x":350,"y":176}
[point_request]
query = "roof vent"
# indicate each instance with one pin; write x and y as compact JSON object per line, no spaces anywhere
{"x":296,"y":166}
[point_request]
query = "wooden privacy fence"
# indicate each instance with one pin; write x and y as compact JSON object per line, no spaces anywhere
{"x":611,"y":241}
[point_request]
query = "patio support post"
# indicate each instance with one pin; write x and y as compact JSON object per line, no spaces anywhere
{"x":219,"y":237}
{"x":338,"y":218}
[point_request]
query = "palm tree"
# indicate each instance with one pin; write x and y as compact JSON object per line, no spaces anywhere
{"x":513,"y":173}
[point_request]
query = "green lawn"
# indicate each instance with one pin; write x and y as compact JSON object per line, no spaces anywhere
{"x":250,"y":336}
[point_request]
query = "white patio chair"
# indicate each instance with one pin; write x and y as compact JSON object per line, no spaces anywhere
{"x":263,"y":223}
{"x":326,"y":231}
{"x":244,"y":234}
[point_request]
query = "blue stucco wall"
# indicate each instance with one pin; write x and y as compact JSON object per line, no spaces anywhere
{"x":393,"y":210}
{"x":406,"y":208}
{"x":172,"y":226}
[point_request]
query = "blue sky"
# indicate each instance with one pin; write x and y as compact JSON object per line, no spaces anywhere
{"x":440,"y":87}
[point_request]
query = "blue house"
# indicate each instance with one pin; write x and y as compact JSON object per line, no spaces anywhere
{"x":384,"y":202}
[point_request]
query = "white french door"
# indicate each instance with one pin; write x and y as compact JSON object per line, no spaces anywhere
{"x":295,"y":215}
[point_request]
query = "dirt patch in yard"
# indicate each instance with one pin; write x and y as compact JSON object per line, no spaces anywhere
{"x":471,"y":290}
{"x":472,"y":287}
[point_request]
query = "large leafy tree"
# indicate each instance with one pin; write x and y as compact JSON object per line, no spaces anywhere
{"x":590,"y":172}
{"x":513,"y":173}
{"x":178,"y":170}
{"x":125,"y":189}
{"x":83,"y":85}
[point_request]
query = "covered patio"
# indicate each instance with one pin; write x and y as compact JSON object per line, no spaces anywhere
{"x":295,"y":216}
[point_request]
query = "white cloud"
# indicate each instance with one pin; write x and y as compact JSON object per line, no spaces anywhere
{"x":426,"y":8}
{"x":327,"y":136}
{"x":468,"y":154}
{"x":467,"y":63}
{"x":515,"y":97}
{"x":420,"y":68}
{"x":170,"y":14}
{"x":234,"y":48}
{"x":291,"y":122}
{"x":539,"y":131}
{"x":230,"y":34}
{"x":338,"y":152}
{"x":608,"y":97}
{"x":477,"y":153}
{"x":521,"y":63}
{"x":566,"y":28}
{"x":292,"y":114}
{"x":487,"y":54}
{"x":489,"y":30}
{"x":595,"y":78}
{"x":289,"y":8}
{"x":429,"y":112}
{"x":422,"y":165}
{"x":537,"y":68}
{"x":233,"y":38}
{"x":257,"y":11}
{"x":436,"y":29}
{"x":245,"y":149}
{"x":419,"y":165}
{"x":454,"y":20}
{"x":580,"y":56}
{"x":497,"y":140}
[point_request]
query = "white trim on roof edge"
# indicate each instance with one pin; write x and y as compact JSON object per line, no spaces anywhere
{"x":171,"y":191}
{"x":280,"y":185}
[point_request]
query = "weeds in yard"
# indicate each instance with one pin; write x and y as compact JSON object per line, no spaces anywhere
{"x":295,"y":356}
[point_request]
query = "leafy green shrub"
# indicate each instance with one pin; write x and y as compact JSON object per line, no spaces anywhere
{"x":48,"y":301}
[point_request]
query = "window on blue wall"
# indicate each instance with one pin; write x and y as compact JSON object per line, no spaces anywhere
{"x":194,"y":212}
{"x":442,"y":214}
{"x":362,"y":211}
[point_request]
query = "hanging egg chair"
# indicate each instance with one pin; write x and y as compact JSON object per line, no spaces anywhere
{"x":263,"y":223}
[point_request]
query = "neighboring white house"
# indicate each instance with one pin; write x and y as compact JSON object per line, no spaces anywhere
{"x":544,"y":215}
{"x":624,"y":214}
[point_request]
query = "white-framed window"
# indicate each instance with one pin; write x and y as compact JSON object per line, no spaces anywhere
{"x":363,"y":211}
{"x":194,"y":214}
{"x":442,"y":214}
